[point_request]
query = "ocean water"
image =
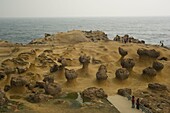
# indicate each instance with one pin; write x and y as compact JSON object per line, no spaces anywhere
{"x":150,"y":29}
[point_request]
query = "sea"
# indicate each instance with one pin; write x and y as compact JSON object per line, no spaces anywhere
{"x":23,"y":30}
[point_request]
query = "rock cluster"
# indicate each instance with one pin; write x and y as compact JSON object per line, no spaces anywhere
{"x":157,"y":99}
{"x":122,"y":73}
{"x":93,"y":94}
{"x":96,"y":35}
{"x":18,"y":82}
{"x":148,"y":53}
{"x":126,"y":39}
{"x":101,"y":73}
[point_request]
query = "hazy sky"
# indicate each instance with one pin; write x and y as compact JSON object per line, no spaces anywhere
{"x":83,"y":8}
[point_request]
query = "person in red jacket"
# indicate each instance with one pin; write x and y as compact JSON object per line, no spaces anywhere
{"x":133,"y":102}
{"x":137,"y":103}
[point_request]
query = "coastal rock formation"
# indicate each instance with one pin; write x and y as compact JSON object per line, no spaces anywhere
{"x":17,"y":82}
{"x":149,"y":71}
{"x":124,"y":92}
{"x":122,"y":52}
{"x":96,"y":35}
{"x":157,"y":99}
{"x":157,"y":66}
{"x":157,"y":87}
{"x":52,"y":89}
{"x":126,"y":39}
{"x":128,"y":63}
{"x":70,"y":75}
{"x":7,"y":88}
{"x":3,"y":98}
{"x":148,"y":53}
{"x":21,"y":70}
{"x":102,"y":73}
{"x":122,"y":73}
{"x":85,"y":60}
{"x":62,"y":61}
{"x":93,"y":94}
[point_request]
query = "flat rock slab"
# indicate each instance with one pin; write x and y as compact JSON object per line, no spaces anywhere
{"x":123,"y":104}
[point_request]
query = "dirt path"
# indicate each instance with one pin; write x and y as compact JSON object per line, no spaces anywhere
{"x":123,"y":104}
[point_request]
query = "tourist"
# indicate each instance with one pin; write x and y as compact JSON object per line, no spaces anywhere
{"x":137,"y":104}
{"x":133,"y":102}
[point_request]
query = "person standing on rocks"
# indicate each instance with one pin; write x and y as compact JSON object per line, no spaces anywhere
{"x":137,"y":104}
{"x":133,"y":102}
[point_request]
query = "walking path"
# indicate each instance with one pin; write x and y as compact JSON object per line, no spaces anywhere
{"x":123,"y":104}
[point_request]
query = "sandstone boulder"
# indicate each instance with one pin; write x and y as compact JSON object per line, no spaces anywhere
{"x":124,"y":92}
{"x":102,"y":73}
{"x":128,"y":63}
{"x":157,"y":87}
{"x":148,"y":53}
{"x":21,"y":70}
{"x":70,"y":74}
{"x":122,"y":52}
{"x":149,"y":71}
{"x":85,"y":60}
{"x":17,"y":82}
{"x":52,"y":89}
{"x":157,"y":66}
{"x":7,"y":88}
{"x":122,"y":73}
{"x":93,"y":93}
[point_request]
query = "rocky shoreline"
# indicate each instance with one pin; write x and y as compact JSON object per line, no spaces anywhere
{"x":85,"y":62}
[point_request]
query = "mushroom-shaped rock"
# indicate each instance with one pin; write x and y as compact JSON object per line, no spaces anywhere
{"x":52,"y":89}
{"x":157,"y":87}
{"x":124,"y":92}
{"x":85,"y":60}
{"x":93,"y":93}
{"x":54,"y":68}
{"x":122,"y":73}
{"x":102,"y":73}
{"x":122,"y":52}
{"x":70,"y":74}
{"x":148,"y":53}
{"x":17,"y":82}
{"x":3,"y":98}
{"x":48,"y":79}
{"x":149,"y":71}
{"x":157,"y":66}
{"x":128,"y":63}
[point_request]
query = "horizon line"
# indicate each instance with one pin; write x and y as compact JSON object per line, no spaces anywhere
{"x":86,"y":16}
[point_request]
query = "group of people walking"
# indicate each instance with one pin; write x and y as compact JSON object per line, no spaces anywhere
{"x":137,"y":102}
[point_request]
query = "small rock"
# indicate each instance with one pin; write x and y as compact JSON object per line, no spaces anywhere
{"x":157,"y":66}
{"x":52,"y":89}
{"x":128,"y":63}
{"x":123,"y":92}
{"x":122,"y":52}
{"x":157,"y":87}
{"x":122,"y":73}
{"x":149,"y":71}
